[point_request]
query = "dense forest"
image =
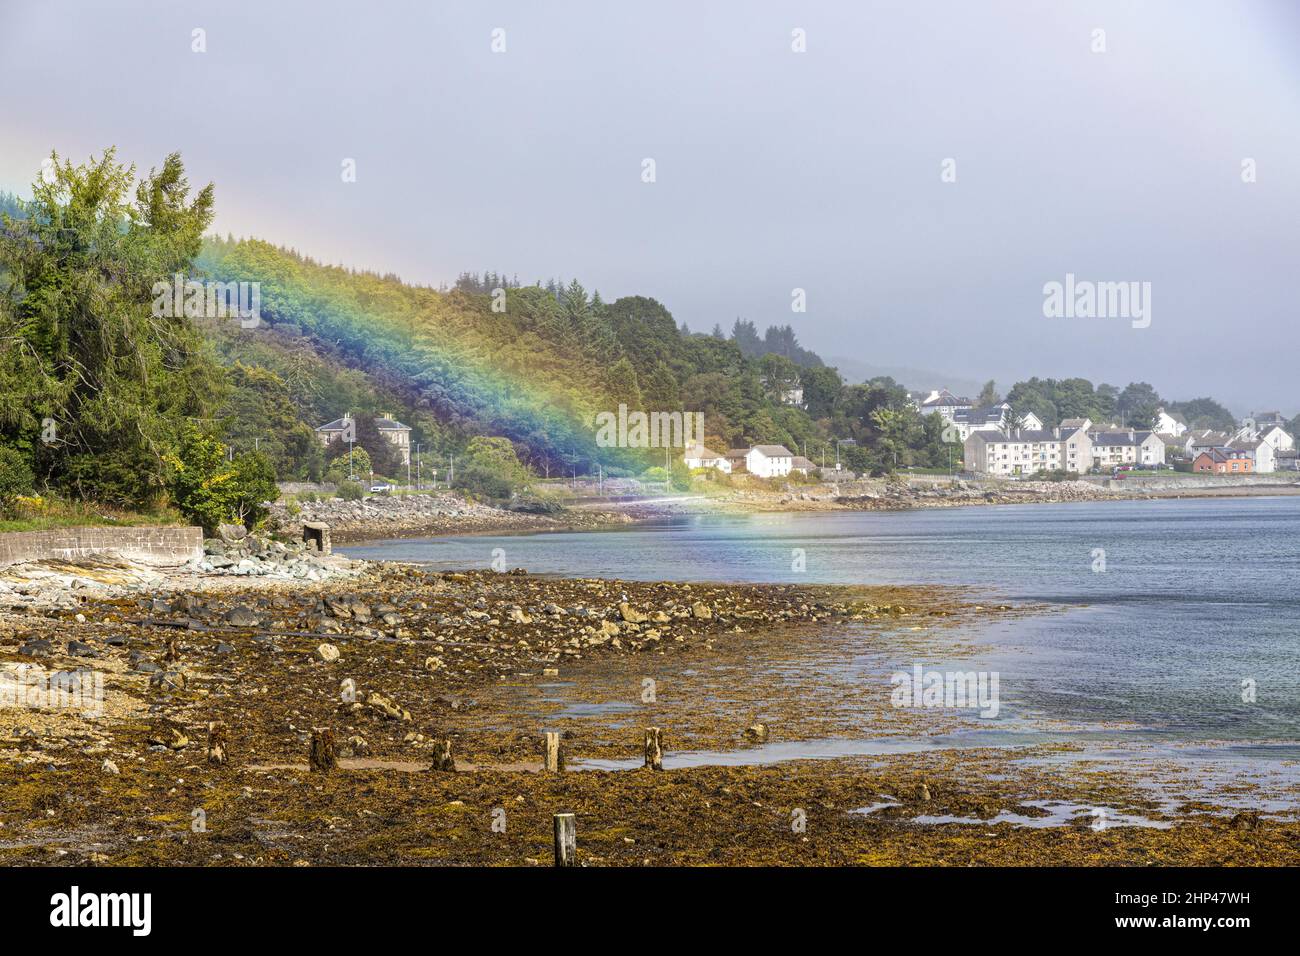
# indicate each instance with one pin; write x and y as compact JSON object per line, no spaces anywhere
{"x":104,"y":398}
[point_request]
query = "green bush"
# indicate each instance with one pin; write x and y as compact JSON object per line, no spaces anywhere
{"x":350,"y":491}
{"x":16,"y":476}
{"x":211,"y":490}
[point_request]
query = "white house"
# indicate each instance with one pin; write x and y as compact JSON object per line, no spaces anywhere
{"x":697,"y":456}
{"x":1269,"y":432}
{"x":1111,"y":448}
{"x":393,"y":431}
{"x":1024,"y":452}
{"x":769,"y":461}
{"x":1263,"y":454}
{"x":1169,"y":424}
{"x":945,"y":403}
{"x":792,"y":396}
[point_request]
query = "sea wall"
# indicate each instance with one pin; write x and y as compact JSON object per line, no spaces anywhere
{"x":1136,"y":481}
{"x":152,"y":545}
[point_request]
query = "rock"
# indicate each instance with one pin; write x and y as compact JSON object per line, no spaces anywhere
{"x":608,"y":629}
{"x":519,"y":617}
{"x":36,"y":648}
{"x":109,"y":767}
{"x":383,"y":705}
{"x":631,"y":615}
{"x":433,"y":663}
{"x":241,"y":616}
{"x":923,"y":793}
{"x":167,"y":681}
{"x":757,"y":733}
{"x":701,"y":610}
{"x":327,"y":653}
{"x":81,"y":649}
{"x":224,"y":648}
{"x":231,"y":533}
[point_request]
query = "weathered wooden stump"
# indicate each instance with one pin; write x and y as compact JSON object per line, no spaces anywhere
{"x":654,"y":748}
{"x":554,"y":753}
{"x":324,"y":757}
{"x":442,"y":758}
{"x":218,"y":743}
{"x":566,"y":839}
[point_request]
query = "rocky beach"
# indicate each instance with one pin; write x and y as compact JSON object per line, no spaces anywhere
{"x":268,"y":705}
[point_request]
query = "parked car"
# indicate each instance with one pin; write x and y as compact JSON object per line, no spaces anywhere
{"x":381,"y":489}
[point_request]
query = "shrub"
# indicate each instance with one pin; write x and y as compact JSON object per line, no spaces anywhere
{"x":15,"y":477}
{"x":211,"y":490}
{"x":350,"y":491}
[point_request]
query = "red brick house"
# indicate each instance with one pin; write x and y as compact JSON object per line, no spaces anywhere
{"x":1224,"y":461}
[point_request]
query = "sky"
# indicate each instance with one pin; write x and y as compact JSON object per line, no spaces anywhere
{"x":829,"y":170}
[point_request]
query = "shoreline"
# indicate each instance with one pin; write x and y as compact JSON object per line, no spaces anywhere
{"x":639,"y":514}
{"x":488,"y":661}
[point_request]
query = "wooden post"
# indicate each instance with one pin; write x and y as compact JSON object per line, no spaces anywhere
{"x":566,"y":839}
{"x":442,"y":758}
{"x":217,"y":743}
{"x":654,"y":748}
{"x":324,"y":758}
{"x":554,"y":754}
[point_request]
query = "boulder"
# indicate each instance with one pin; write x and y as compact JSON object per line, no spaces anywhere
{"x":327,"y":653}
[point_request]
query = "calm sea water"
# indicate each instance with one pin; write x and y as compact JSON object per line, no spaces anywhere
{"x":1194,"y":596}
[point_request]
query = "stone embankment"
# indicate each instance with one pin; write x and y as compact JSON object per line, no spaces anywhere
{"x":387,"y":516}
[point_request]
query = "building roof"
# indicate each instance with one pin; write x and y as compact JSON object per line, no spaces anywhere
{"x":1134,"y":437}
{"x":737,"y":452}
{"x":945,"y":397}
{"x":1222,"y":453}
{"x":773,"y":451}
{"x":701,"y":452}
{"x":988,"y":414}
{"x":383,"y":424}
{"x":801,"y":462}
{"x":1209,"y":436}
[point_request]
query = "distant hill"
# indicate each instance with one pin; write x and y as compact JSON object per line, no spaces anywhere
{"x":915,"y":379}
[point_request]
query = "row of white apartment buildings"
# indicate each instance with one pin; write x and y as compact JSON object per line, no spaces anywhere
{"x":1073,"y":446}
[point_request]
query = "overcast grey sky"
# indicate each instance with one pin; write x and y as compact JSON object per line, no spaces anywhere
{"x":775,"y":170}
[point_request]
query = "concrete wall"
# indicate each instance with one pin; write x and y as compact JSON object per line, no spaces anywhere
{"x":1136,"y":481}
{"x":150,"y":545}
